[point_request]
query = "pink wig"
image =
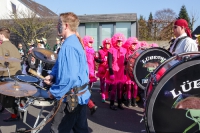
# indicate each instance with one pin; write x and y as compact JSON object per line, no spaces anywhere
{"x":144,"y":44}
{"x":153,"y":45}
{"x":116,"y":37}
{"x":87,"y":39}
{"x":105,"y":41}
{"x":130,"y":41}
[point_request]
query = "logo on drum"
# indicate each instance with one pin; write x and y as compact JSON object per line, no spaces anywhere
{"x":148,"y":58}
{"x":186,"y":87}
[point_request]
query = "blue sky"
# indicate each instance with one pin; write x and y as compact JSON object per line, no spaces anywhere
{"x":141,"y":7}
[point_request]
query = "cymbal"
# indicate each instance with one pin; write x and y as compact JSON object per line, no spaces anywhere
{"x":3,"y":69}
{"x":9,"y":59}
{"x":17,"y":89}
{"x":44,"y":55}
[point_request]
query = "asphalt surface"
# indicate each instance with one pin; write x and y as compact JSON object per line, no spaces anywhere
{"x":104,"y":120}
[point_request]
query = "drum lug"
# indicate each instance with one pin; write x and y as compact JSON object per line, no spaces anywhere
{"x":153,"y":77}
{"x":186,"y":58}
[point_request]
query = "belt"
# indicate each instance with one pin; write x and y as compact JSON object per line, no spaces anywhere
{"x":76,"y":89}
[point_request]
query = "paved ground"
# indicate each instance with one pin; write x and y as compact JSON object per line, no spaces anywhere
{"x":103,"y":121}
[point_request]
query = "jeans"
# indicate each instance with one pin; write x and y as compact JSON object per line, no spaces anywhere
{"x":64,"y":122}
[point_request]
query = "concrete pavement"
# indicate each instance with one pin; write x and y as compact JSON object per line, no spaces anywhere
{"x":103,"y":121}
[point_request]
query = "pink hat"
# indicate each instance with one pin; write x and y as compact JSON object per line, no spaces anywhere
{"x":106,"y":41}
{"x":116,"y":37}
{"x":153,"y":45}
{"x":87,"y":39}
{"x":130,"y":41}
{"x":143,"y":44}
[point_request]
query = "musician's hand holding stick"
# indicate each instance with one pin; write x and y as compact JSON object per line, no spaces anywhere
{"x":48,"y":80}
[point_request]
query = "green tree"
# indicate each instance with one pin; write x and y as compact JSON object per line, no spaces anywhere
{"x":27,"y":26}
{"x":143,"y":31}
{"x":184,"y":15}
{"x":150,"y":26}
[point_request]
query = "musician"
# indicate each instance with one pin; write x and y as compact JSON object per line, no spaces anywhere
{"x":7,"y":48}
{"x":70,"y":72}
{"x":183,"y":42}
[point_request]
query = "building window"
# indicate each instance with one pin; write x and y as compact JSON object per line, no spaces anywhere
{"x":91,"y":29}
{"x":14,"y":10}
{"x":107,"y":31}
{"x":124,"y":28}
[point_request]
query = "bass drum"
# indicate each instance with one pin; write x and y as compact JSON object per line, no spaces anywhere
{"x":173,"y":105}
{"x":144,"y":61}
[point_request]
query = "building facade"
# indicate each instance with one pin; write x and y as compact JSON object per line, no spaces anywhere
{"x":103,"y":26}
{"x":12,"y":7}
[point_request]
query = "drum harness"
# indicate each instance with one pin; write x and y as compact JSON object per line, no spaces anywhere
{"x":72,"y":102}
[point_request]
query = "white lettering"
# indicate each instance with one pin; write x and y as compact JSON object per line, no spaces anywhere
{"x":174,"y":94}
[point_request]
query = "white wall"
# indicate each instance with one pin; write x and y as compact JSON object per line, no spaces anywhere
{"x":6,"y":8}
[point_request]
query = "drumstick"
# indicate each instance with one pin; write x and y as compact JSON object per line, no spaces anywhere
{"x":35,"y":73}
{"x":39,"y":86}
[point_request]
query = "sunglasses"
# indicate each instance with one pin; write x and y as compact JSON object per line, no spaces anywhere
{"x":175,"y":26}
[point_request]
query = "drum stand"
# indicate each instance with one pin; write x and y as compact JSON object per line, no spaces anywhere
{"x":31,"y":101}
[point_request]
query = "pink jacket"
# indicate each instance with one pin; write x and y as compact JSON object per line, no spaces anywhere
{"x":91,"y":64}
{"x":118,"y":56}
{"x":104,"y":65}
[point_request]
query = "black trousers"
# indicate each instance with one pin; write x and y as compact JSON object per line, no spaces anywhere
{"x":64,"y":122}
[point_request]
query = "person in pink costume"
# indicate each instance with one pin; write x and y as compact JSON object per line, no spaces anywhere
{"x":153,"y":45}
{"x":90,"y":54}
{"x":132,"y":44}
{"x":103,"y":66}
{"x":144,"y":45}
{"x":115,"y":75}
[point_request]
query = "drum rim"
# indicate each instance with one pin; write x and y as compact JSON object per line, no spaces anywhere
{"x":17,"y":76}
{"x":154,"y":93}
{"x":142,"y":53}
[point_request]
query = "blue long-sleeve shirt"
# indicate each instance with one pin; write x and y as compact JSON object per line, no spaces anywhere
{"x":70,"y":70}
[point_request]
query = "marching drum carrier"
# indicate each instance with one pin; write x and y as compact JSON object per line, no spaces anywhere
{"x":173,"y":96}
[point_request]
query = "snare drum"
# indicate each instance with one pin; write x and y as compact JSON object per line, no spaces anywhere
{"x":144,"y":61}
{"x":177,"y":81}
{"x":40,"y":101}
{"x":27,"y":78}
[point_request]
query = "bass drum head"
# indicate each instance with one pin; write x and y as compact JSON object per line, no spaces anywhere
{"x":146,"y":63}
{"x":162,"y":110}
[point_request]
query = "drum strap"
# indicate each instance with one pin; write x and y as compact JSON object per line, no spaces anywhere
{"x":176,"y":43}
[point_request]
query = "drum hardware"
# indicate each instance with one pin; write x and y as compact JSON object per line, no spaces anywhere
{"x":3,"y":69}
{"x":36,"y":102}
{"x":25,"y":107}
{"x":153,"y":77}
{"x":44,"y":55}
{"x":17,"y":89}
{"x":186,"y":58}
{"x":9,"y":59}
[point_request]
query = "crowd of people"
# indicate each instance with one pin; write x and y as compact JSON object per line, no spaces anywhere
{"x":75,"y":70}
